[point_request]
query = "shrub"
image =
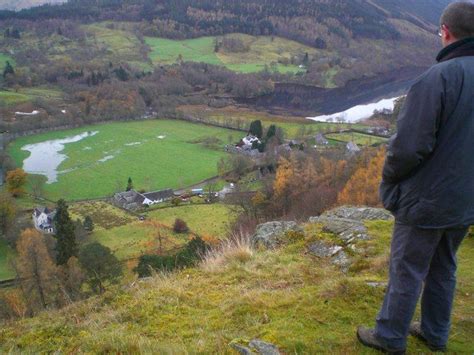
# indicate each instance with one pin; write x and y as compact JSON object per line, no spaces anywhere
{"x":180,"y":226}
{"x":188,"y":256}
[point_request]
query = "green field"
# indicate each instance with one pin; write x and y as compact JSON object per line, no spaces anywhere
{"x":156,"y":154}
{"x":264,"y":52}
{"x":129,"y":238}
{"x":119,"y":42}
{"x":293,"y":127}
{"x":23,"y":95}
{"x":210,"y":220}
{"x":358,"y":138}
{"x":6,"y":271}
{"x":3,"y":60}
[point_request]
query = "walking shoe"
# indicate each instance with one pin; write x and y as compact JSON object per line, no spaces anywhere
{"x":415,"y":330}
{"x":367,"y":337}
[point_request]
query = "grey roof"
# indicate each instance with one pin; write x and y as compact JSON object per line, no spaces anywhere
{"x":159,"y":195}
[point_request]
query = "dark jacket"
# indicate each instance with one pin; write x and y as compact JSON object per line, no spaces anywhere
{"x":428,"y":176}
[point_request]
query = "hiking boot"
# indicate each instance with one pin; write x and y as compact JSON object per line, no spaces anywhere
{"x":367,"y":337}
{"x":415,"y":330}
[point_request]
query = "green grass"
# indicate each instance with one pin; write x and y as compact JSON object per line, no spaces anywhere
{"x":358,"y":138}
{"x":263,"y":53}
{"x":129,"y":238}
{"x":210,"y":220}
{"x":9,"y":98}
{"x":293,"y":127}
{"x":3,"y":60}
{"x":171,"y":162}
{"x":302,"y":304}
{"x":119,"y":43}
{"x":6,"y":252}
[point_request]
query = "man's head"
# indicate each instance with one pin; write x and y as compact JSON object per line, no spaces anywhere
{"x":457,"y":22}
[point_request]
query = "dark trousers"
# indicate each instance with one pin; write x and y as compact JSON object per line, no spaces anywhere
{"x":420,"y":256}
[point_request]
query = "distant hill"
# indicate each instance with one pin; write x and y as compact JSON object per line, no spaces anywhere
{"x":17,"y":5}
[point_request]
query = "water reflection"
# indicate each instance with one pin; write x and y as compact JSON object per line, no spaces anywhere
{"x":45,"y":157}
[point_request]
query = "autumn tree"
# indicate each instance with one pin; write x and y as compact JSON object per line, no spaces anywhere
{"x":66,"y":246}
{"x":363,"y":187}
{"x":36,"y":270}
{"x":284,"y":181}
{"x":16,"y":180}
{"x":72,"y":277}
{"x":7,"y":212}
{"x":158,"y":233}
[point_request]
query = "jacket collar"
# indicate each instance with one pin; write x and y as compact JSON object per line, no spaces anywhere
{"x":461,"y":48}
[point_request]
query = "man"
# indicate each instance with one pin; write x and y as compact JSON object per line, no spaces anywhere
{"x":428,"y":184}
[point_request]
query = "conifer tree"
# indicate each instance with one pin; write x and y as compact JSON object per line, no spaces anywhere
{"x":8,"y":70}
{"x":129,"y":184}
{"x":66,"y":246}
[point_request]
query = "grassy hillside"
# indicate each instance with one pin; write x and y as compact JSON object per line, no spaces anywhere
{"x":25,"y":4}
{"x":263,"y":52}
{"x":155,"y":154}
{"x":302,"y":304}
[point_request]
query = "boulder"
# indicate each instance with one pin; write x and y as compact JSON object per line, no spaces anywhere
{"x":264,"y":348}
{"x":347,"y":230}
{"x":359,"y":213}
{"x":323,"y":250}
{"x":269,"y":235}
{"x":256,"y":346}
{"x":336,"y":254}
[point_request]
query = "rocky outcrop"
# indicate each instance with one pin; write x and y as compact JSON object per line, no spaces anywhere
{"x":270,"y":235}
{"x":346,"y":223}
{"x":335,"y":253}
{"x":359,"y":213}
{"x":347,"y":230}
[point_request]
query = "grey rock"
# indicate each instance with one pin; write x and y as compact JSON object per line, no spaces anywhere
{"x":323,"y":250}
{"x":336,"y":254}
{"x":264,"y":348}
{"x":242,"y":350}
{"x":347,"y":230}
{"x":342,"y":259}
{"x":270,"y":234}
{"x":359,"y":213}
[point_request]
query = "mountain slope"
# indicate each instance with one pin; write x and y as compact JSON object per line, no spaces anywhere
{"x":17,"y":5}
{"x":300,"y":303}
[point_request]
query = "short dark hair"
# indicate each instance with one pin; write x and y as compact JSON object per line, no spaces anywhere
{"x":458,"y":17}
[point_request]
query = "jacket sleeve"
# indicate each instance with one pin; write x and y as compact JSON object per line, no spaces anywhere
{"x":417,"y":128}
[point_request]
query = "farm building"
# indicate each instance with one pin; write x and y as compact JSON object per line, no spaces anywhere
{"x":247,"y":142}
{"x":133,"y":200}
{"x":43,"y":219}
{"x":352,"y":148}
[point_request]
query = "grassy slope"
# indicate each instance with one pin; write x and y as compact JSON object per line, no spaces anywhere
{"x":301,"y":304}
{"x":171,"y":162}
{"x":5,"y":252}
{"x":118,"y":42}
{"x":202,"y":219}
{"x":9,"y":98}
{"x":263,"y":51}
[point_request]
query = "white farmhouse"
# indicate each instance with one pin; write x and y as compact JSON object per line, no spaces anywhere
{"x":43,"y":219}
